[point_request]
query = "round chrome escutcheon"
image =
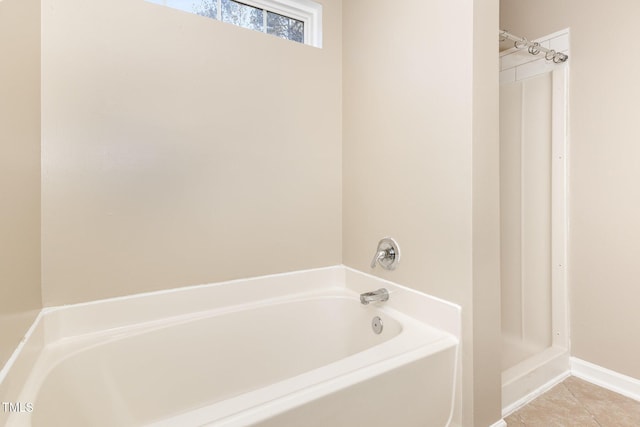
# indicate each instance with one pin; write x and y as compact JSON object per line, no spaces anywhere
{"x":376,"y":324}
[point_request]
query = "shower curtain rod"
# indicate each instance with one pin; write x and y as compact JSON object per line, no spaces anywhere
{"x":534,"y":48}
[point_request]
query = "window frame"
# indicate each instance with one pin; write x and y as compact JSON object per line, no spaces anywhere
{"x":307,"y":11}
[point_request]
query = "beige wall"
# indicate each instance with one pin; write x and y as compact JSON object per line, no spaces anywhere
{"x":19,"y":170}
{"x":411,"y":153}
{"x":170,"y":158}
{"x":487,"y":384}
{"x":604,"y":230}
{"x":179,"y":150}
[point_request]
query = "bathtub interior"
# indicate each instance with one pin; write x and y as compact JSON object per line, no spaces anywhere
{"x":158,"y":368}
{"x":123,"y":367}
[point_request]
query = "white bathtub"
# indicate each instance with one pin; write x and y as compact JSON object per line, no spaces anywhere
{"x":286,"y":350}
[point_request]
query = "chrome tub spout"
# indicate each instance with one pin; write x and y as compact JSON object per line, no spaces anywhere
{"x":380,"y":295}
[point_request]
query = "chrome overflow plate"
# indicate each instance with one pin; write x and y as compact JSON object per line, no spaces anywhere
{"x":376,"y":325}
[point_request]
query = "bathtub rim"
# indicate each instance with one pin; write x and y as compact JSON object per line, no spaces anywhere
{"x":61,"y":321}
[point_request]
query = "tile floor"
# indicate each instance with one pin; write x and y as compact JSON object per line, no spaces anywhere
{"x":577,"y":403}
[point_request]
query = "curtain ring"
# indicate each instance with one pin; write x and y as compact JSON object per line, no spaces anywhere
{"x":559,"y":57}
{"x":533,"y":49}
{"x":522,"y":44}
{"x":550,"y":55}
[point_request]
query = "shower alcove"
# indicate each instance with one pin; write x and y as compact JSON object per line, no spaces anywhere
{"x":533,"y":194}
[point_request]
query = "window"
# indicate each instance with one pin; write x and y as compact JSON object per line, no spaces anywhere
{"x":296,"y":20}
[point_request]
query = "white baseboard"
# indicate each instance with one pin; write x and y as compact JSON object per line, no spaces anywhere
{"x":509,"y":409}
{"x":536,"y":375}
{"x":606,"y":378}
{"x":603,"y":377}
{"x":500,"y":423}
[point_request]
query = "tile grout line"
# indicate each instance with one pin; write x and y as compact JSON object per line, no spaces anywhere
{"x":581,"y":404}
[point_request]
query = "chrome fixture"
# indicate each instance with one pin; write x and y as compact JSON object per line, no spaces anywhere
{"x":380,"y":295}
{"x":387,"y":254}
{"x":377,"y":325}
